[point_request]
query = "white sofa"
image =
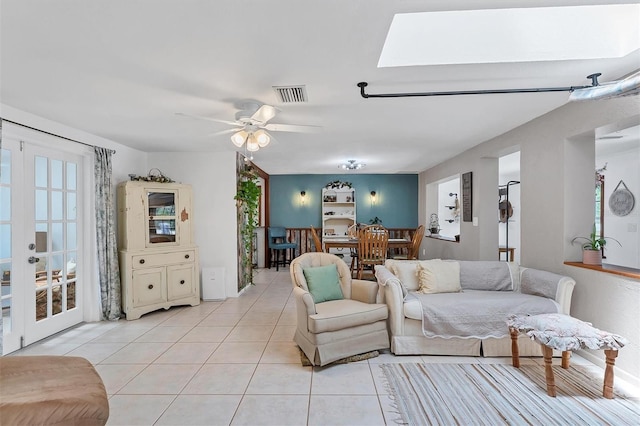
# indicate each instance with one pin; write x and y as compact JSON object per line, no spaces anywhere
{"x":479,"y":290}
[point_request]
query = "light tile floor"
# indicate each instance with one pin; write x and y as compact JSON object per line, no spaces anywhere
{"x":231,"y":363}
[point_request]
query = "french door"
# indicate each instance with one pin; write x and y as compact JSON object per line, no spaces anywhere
{"x":41,"y":237}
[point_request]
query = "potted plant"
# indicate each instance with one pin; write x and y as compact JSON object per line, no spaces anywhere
{"x":592,"y":247}
{"x":248,"y":199}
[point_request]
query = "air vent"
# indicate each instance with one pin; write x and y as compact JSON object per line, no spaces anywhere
{"x":610,"y":137}
{"x":291,"y":94}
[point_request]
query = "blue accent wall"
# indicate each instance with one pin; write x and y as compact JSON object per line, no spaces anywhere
{"x":396,"y":203}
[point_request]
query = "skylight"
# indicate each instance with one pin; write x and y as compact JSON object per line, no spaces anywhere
{"x":512,"y":35}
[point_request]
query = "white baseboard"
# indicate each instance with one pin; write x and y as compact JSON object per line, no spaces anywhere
{"x":617,"y":373}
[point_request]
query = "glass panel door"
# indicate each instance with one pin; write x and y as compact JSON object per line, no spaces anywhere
{"x":161,"y":217}
{"x":53,"y":296}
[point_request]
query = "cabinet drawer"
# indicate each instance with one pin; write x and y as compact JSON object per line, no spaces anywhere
{"x":148,"y":286}
{"x":162,"y":259}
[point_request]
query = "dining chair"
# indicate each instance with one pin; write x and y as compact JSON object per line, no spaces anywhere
{"x":316,"y":240}
{"x":352,"y":233}
{"x":414,"y":250}
{"x":279,"y":245}
{"x":373,"y":241}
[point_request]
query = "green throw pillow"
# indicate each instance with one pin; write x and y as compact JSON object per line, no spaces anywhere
{"x":323,"y":283}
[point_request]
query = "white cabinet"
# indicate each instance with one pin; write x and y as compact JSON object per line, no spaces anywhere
{"x":338,"y":212}
{"x":159,"y":265}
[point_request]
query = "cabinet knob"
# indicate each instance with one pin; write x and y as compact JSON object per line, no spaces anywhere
{"x":181,"y":281}
{"x":141,"y":260}
{"x":150,"y":286}
{"x":186,"y":256}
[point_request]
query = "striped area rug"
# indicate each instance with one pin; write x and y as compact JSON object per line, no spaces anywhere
{"x":499,"y":394}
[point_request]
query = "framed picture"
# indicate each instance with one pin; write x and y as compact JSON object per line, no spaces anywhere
{"x":467,"y":186}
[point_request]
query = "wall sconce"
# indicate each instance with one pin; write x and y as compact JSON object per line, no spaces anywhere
{"x":303,"y":197}
{"x":373,"y":197}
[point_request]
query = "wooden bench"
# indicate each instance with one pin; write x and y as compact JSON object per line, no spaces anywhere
{"x":564,"y":333}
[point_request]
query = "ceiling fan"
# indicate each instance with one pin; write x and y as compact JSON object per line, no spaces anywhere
{"x":252,"y":123}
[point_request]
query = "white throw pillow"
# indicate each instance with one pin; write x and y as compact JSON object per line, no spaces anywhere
{"x":438,"y":276}
{"x":407,"y":273}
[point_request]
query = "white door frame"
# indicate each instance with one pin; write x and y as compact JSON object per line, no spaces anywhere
{"x":14,"y":330}
{"x":90,"y":302}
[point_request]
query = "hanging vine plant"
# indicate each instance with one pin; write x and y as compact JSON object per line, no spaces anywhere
{"x":248,"y":199}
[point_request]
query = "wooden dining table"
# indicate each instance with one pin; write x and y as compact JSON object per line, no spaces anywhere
{"x":352,"y":243}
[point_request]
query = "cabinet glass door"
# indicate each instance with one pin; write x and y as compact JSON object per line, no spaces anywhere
{"x":162,"y":217}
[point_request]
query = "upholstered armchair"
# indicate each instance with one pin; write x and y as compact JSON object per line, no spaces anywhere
{"x":334,"y":323}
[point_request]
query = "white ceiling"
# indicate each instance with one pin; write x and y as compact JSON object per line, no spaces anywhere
{"x":624,"y":140}
{"x":121,"y":69}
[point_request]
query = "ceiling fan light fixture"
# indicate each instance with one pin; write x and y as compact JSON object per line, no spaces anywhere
{"x":238,"y":138}
{"x":262,"y":138}
{"x":351,"y":165}
{"x":252,"y":144}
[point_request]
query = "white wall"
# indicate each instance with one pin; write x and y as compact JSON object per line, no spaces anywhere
{"x":611,"y":303}
{"x":213,"y":178}
{"x":557,"y":166}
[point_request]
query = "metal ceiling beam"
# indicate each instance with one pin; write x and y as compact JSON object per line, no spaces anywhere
{"x":363,"y":84}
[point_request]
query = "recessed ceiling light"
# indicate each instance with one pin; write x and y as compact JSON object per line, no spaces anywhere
{"x":512,"y":35}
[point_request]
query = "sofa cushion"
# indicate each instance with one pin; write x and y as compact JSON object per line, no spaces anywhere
{"x":438,"y":276}
{"x":340,"y":314}
{"x":406,"y":271}
{"x":323,"y":283}
{"x":412,"y":308}
{"x":485,"y":275}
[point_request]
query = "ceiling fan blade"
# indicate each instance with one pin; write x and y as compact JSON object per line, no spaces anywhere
{"x":264,"y":113}
{"x":293,"y":128}
{"x":199,"y":117}
{"x":224,"y":132}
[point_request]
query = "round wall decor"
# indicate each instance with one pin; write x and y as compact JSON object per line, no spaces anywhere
{"x":506,"y":210}
{"x":621,"y":201}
